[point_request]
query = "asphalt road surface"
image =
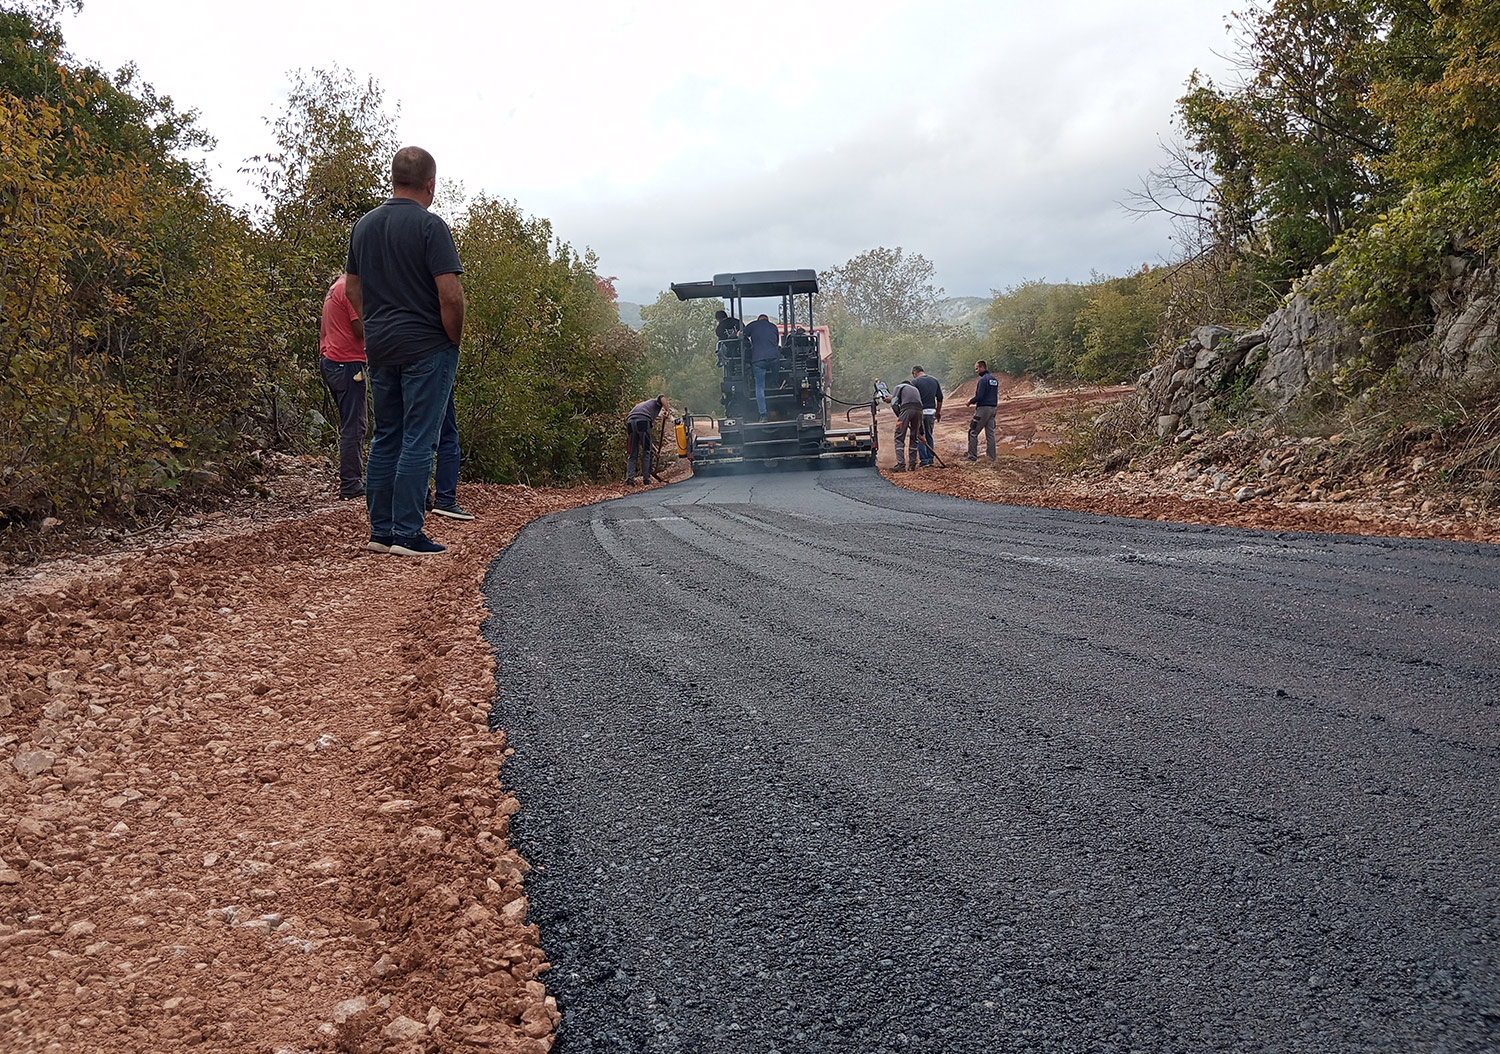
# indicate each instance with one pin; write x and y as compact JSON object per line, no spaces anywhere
{"x":808,"y":762}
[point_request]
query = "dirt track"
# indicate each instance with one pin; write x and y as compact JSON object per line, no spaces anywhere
{"x":1028,"y":427}
{"x":247,"y":796}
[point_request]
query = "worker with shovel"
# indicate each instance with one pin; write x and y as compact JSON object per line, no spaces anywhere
{"x":906,"y":400}
{"x":638,"y":437}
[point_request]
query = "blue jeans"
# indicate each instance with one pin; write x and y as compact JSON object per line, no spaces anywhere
{"x":929,"y":421}
{"x":445,"y":480}
{"x":760,"y":369}
{"x":409,"y":402}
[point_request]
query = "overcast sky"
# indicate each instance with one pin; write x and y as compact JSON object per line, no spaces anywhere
{"x":677,"y":140}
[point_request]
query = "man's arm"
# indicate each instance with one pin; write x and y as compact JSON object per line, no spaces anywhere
{"x":451,"y":300}
{"x":356,"y":297}
{"x":356,"y":324}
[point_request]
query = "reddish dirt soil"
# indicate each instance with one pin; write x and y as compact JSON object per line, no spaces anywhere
{"x":1029,"y":425}
{"x":248,"y":798}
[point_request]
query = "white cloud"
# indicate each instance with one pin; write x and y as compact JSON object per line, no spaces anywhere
{"x":679,"y":139}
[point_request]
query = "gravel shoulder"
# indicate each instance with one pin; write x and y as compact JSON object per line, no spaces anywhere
{"x":249,"y":795}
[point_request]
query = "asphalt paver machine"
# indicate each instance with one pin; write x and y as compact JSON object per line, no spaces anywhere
{"x":798,"y":429}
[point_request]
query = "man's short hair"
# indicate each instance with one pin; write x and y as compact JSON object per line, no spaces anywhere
{"x":983,"y":365}
{"x":917,"y":369}
{"x":413,"y":168}
{"x":720,"y":314}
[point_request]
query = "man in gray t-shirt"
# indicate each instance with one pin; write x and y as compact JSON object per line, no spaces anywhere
{"x":403,"y":270}
{"x":638,"y":436}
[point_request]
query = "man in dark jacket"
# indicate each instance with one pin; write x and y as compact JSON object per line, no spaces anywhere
{"x":985,"y":403}
{"x":765,"y":354}
{"x":638,"y":449}
{"x":932,"y":409}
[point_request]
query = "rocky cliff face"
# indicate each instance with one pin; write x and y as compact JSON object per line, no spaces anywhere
{"x":1465,"y":343}
{"x":1266,"y":369}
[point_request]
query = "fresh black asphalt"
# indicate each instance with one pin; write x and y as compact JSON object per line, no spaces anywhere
{"x":808,"y":762}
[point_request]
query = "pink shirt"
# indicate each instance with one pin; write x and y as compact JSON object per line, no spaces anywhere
{"x":336,"y":339}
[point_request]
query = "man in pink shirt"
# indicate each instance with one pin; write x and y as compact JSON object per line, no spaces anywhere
{"x":341,"y":344}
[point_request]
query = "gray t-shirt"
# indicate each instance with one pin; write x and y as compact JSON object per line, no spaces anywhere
{"x":906,"y":394}
{"x":397,"y":249}
{"x":647,"y":410}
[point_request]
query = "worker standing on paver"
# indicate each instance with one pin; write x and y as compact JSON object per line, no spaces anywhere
{"x":932,"y":410}
{"x":765,"y":356}
{"x":906,"y":400}
{"x":638,"y":437}
{"x":985,"y":403}
{"x":726,"y":333}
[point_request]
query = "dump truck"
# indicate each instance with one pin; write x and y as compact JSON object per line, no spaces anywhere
{"x":798,"y":427}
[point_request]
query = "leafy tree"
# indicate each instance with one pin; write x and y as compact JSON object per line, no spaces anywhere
{"x":129,"y":311}
{"x":1440,"y":93}
{"x":546,"y":373}
{"x":331,"y":165}
{"x":882,"y":289}
{"x":679,"y":358}
{"x":1278,"y":166}
{"x":1034,"y":329}
{"x":1119,"y":323}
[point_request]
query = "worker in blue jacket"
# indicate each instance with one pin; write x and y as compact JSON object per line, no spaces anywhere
{"x":765,"y":356}
{"x":985,"y":403}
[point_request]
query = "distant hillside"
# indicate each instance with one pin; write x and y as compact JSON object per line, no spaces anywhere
{"x":630,"y":314}
{"x":963,"y":311}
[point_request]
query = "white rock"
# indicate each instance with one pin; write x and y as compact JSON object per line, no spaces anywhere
{"x":429,"y":838}
{"x":404,"y":1030}
{"x":32,"y":763}
{"x":348,"y":1008}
